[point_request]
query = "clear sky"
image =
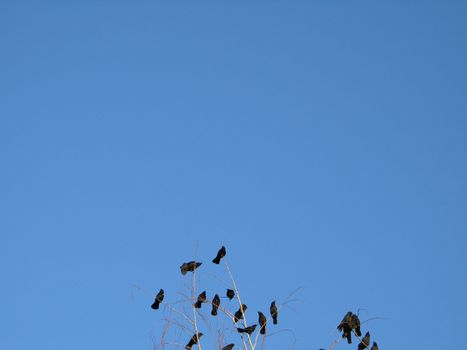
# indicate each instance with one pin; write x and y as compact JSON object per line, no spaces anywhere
{"x":324,"y":143}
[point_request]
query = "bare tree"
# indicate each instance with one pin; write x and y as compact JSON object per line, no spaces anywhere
{"x":184,"y":318}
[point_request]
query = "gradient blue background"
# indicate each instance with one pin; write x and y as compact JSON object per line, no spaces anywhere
{"x":323,"y":143}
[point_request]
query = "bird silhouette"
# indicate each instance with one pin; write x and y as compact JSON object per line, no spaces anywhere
{"x":273,"y":311}
{"x":228,"y":347}
{"x":355,"y":324}
{"x":215,"y":304}
{"x":247,"y":330}
{"x":375,"y":346}
{"x":189,"y":267}
{"x":158,"y":300}
{"x":193,"y":340}
{"x":220,"y":254}
{"x":230,"y":294}
{"x":262,"y":322}
{"x":365,"y":343}
{"x":346,"y":327}
{"x":345,"y":321}
{"x":239,"y":314}
{"x":201,"y":299}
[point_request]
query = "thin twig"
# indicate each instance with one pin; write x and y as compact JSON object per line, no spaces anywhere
{"x":185,"y":316}
{"x":178,"y":324}
{"x":195,"y":325}
{"x":240,"y":304}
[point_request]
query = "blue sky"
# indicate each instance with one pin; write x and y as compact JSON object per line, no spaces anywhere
{"x":323,"y":143}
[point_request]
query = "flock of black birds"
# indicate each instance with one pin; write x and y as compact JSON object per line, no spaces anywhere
{"x":230,"y":294}
{"x":351,"y":323}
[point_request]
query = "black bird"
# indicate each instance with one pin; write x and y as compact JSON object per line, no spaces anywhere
{"x":365,"y":343}
{"x":247,"y":330}
{"x":220,"y":254}
{"x":355,"y":324}
{"x":189,"y":266}
{"x":239,"y":314}
{"x":215,"y":304}
{"x":158,"y":300}
{"x":201,"y":299}
{"x":346,"y":326}
{"x":273,"y":310}
{"x":346,"y":321}
{"x":230,"y":294}
{"x":228,"y":347}
{"x":375,"y":346}
{"x":262,"y":322}
{"x":193,"y":341}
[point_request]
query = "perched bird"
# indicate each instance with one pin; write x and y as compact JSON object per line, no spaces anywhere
{"x":220,"y":254}
{"x":158,"y":300}
{"x":365,"y":343}
{"x":346,"y":326}
{"x":273,"y":310}
{"x":239,"y":314}
{"x":228,"y":347}
{"x":193,"y":340}
{"x":375,"y":346}
{"x":355,"y":324}
{"x":247,"y":330}
{"x":189,"y":266}
{"x":201,"y":299}
{"x":215,"y":304}
{"x":262,"y":322}
{"x":230,"y":294}
{"x":346,"y":321}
